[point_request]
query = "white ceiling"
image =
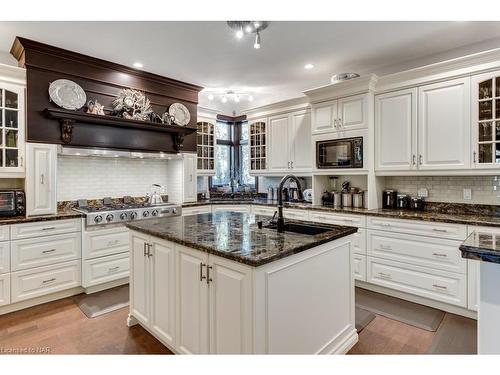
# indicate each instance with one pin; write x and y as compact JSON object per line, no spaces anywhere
{"x":208,"y":54}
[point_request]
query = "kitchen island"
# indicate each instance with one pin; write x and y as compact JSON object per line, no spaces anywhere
{"x":216,"y":283}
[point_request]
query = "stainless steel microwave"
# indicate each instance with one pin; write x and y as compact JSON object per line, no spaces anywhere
{"x":340,"y":153}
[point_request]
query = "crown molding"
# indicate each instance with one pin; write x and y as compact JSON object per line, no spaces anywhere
{"x":458,"y":67}
{"x":207,"y":113}
{"x":289,"y":105}
{"x":12,"y":74}
{"x":350,"y":87}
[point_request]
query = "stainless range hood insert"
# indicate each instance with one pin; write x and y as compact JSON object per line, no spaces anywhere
{"x":110,"y":153}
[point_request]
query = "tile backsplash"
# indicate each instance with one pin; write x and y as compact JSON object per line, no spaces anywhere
{"x":88,"y":177}
{"x":485,"y":189}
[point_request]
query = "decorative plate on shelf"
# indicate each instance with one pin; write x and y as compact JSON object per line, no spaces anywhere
{"x":180,"y":114}
{"x":67,"y":94}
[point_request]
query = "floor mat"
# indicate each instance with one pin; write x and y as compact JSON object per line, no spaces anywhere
{"x":363,"y":318}
{"x":419,"y":316}
{"x":456,"y":335}
{"x":103,"y":302}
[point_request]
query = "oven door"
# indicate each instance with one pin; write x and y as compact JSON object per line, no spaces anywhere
{"x":335,"y":154}
{"x":7,"y":203}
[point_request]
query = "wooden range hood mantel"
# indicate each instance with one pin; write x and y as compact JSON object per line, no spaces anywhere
{"x":101,"y":80}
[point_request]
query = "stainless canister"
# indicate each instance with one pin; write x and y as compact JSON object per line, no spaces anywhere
{"x":357,"y":200}
{"x":346,"y":200}
{"x":337,"y":199}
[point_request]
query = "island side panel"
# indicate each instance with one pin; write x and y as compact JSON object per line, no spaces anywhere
{"x":304,"y":304}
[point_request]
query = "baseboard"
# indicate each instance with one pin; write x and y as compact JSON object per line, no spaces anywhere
{"x":109,"y":285}
{"x":40,"y":300}
{"x":417,"y":299}
{"x":347,"y":344}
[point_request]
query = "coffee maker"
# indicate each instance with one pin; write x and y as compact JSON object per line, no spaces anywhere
{"x":389,"y":198}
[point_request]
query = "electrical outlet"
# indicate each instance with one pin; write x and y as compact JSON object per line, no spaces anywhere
{"x":423,"y":192}
{"x":467,"y":194}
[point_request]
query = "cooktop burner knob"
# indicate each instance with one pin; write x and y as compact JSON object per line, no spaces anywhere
{"x":154,"y":212}
{"x":133,"y":215}
{"x":123,"y":216}
{"x":109,"y":217}
{"x":174,"y":210}
{"x":98,"y":219}
{"x":145,"y":214}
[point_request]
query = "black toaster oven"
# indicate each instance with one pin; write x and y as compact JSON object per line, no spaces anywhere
{"x":12,"y":202}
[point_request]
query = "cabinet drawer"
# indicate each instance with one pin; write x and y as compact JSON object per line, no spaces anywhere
{"x":4,"y":257}
{"x":263,"y":210}
{"x":232,"y":208}
{"x":36,"y":252}
{"x":479,"y":228}
{"x":4,"y":232}
{"x":105,"y":242}
{"x":417,"y":250}
{"x":106,"y":269}
{"x":289,"y":213}
{"x":40,"y":281}
{"x":44,"y":228}
{"x":358,"y":266}
{"x":442,"y":286}
{"x":339,"y":219}
{"x":359,"y":242}
{"x":441,"y":230}
{"x":4,"y":289}
{"x":196,"y":210}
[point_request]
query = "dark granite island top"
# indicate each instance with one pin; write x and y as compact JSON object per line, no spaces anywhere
{"x":483,"y":246}
{"x":235,"y":235}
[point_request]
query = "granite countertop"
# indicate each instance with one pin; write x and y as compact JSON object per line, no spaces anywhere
{"x":483,"y":246}
{"x":431,"y":216}
{"x":235,"y":235}
{"x":65,"y":213}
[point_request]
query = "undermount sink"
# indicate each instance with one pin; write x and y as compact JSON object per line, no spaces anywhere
{"x":311,"y":230}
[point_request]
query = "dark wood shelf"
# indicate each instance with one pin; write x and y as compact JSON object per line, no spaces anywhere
{"x":68,"y":119}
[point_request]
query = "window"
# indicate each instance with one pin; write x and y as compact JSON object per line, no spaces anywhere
{"x":232,"y":156}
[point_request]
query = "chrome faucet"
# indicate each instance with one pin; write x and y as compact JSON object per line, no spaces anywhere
{"x":281,"y":222}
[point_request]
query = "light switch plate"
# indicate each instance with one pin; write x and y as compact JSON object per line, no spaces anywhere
{"x":423,"y":192}
{"x":467,"y":194}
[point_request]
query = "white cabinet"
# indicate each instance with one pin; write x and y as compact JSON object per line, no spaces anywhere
{"x":190,"y":189}
{"x":347,"y":113}
{"x":4,"y":289}
{"x":192,"y":301}
{"x":4,"y":257}
{"x":473,"y":284}
{"x":358,"y":265}
{"x":12,"y":121}
{"x":258,"y":145}
{"x":206,"y":147}
{"x":290,"y":142}
{"x":196,"y":210}
{"x":106,"y":269}
{"x":396,"y":130}
{"x":140,"y":277}
{"x":444,"y":125}
{"x":41,"y":179}
{"x":245,"y":208}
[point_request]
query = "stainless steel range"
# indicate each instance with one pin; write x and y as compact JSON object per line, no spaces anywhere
{"x":114,"y":213}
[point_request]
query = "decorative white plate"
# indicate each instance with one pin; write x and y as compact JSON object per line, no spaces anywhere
{"x":307,"y":194}
{"x":180,"y":113}
{"x":67,"y":94}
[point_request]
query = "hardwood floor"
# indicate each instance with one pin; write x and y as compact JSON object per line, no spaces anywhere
{"x":60,"y":327}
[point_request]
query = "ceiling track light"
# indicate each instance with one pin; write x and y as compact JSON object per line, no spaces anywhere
{"x":227,"y":95}
{"x":249,"y":27}
{"x":256,"y":45}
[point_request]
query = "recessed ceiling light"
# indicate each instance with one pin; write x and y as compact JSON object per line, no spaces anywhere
{"x":250,"y":98}
{"x":224,"y":99}
{"x":248,"y":29}
{"x":210,"y":96}
{"x":308,"y":66}
{"x":256,"y":25}
{"x":256,"y":45}
{"x":239,"y":33}
{"x":138,"y":65}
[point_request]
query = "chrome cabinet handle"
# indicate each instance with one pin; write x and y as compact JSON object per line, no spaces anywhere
{"x":49,"y":280}
{"x":113,"y":269}
{"x":208,"y":274}
{"x":348,"y":220}
{"x":48,"y":251}
{"x":149,"y":254}
{"x":21,"y":161}
{"x":288,"y":165}
{"x":48,"y":228}
{"x":440,"y":255}
{"x":42,"y":179}
{"x":335,"y":123}
{"x":385,"y":275}
{"x":111,"y":243}
{"x":190,"y":178}
{"x":291,"y":163}
{"x":145,"y":252}
{"x":420,"y":159}
{"x":414,"y":159}
{"x":439,"y":230}
{"x":439,"y":286}
{"x":340,"y":122}
{"x":201,"y":271}
{"x":386,"y":247}
{"x":385,"y":224}
{"x":474,"y":157}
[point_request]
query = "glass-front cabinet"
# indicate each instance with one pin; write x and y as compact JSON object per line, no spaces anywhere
{"x":257,"y":142}
{"x":486,"y":120}
{"x":206,"y":148}
{"x":12,"y":129}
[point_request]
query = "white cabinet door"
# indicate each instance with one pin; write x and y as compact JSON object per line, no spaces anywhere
{"x":4,"y":257}
{"x":300,"y":142}
{"x":163,"y":290}
{"x":396,"y":130}
{"x":358,"y":266}
{"x":473,"y":284}
{"x":41,"y":179}
{"x":280,"y":156}
{"x":139,"y":288}
{"x":444,"y":125}
{"x":4,"y":289}
{"x":352,"y":113}
{"x":231,"y":318}
{"x":245,"y":208}
{"x":190,"y":189}
{"x":192,"y":302}
{"x":324,"y":117}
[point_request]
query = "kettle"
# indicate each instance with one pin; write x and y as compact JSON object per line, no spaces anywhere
{"x":155,"y":197}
